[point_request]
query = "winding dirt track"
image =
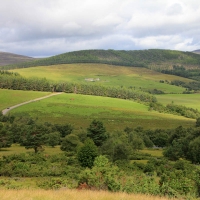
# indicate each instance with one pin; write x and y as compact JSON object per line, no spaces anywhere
{"x":5,"y":111}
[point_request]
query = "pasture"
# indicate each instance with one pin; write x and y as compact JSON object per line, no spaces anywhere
{"x":108,"y":75}
{"x":116,"y":114}
{"x":188,"y":100}
{"x":12,"y":97}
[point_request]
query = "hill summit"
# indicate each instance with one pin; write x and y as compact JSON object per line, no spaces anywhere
{"x":10,"y":58}
{"x":151,"y":58}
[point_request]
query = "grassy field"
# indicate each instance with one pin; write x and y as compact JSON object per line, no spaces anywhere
{"x":188,"y":100}
{"x":12,"y":97}
{"x":153,"y":152}
{"x":138,"y":78}
{"x":72,"y":195}
{"x":116,"y":114}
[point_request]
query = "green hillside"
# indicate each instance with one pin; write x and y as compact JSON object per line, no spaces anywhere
{"x":188,"y":100}
{"x":116,"y":114}
{"x":140,"y":79}
{"x":12,"y":97}
{"x":152,"y":58}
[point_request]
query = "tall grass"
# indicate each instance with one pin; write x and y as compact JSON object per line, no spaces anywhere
{"x":71,"y":195}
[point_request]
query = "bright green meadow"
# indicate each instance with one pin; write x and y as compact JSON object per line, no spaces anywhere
{"x":12,"y":97}
{"x":116,"y":114}
{"x":109,"y":75}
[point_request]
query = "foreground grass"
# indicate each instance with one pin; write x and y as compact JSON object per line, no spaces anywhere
{"x":188,"y":100}
{"x":12,"y":97}
{"x":116,"y":114}
{"x":109,"y":75}
{"x":71,"y":195}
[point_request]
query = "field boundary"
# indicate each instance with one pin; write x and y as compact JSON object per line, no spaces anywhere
{"x":5,"y":111}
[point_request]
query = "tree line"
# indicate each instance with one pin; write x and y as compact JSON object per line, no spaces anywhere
{"x":137,"y":58}
{"x":178,"y":143}
{"x":186,"y":73}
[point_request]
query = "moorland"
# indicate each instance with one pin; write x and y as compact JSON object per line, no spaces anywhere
{"x":127,"y":121}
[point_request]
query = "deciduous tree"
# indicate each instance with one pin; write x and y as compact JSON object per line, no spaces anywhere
{"x":87,"y":153}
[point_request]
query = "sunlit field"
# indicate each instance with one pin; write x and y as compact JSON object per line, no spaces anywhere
{"x":138,"y":78}
{"x":12,"y":97}
{"x":116,"y":114}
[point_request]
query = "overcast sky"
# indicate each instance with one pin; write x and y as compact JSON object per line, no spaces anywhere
{"x":41,"y":28}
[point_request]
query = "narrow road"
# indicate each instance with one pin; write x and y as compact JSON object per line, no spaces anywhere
{"x":5,"y":111}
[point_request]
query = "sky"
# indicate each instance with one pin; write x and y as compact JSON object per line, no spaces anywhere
{"x":41,"y":28}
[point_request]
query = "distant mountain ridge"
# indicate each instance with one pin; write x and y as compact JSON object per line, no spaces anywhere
{"x":10,"y":58}
{"x":152,"y":58}
{"x":197,"y":51}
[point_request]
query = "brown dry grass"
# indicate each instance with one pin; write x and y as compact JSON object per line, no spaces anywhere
{"x":71,"y":195}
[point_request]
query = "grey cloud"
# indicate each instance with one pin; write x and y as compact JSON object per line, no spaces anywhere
{"x":175,"y":9}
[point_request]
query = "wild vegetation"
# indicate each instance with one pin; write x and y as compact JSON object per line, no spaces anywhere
{"x":98,"y":160}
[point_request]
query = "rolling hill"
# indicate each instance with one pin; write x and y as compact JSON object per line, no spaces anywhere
{"x":141,"y":79}
{"x":10,"y":58}
{"x":80,"y":110}
{"x":152,"y":58}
